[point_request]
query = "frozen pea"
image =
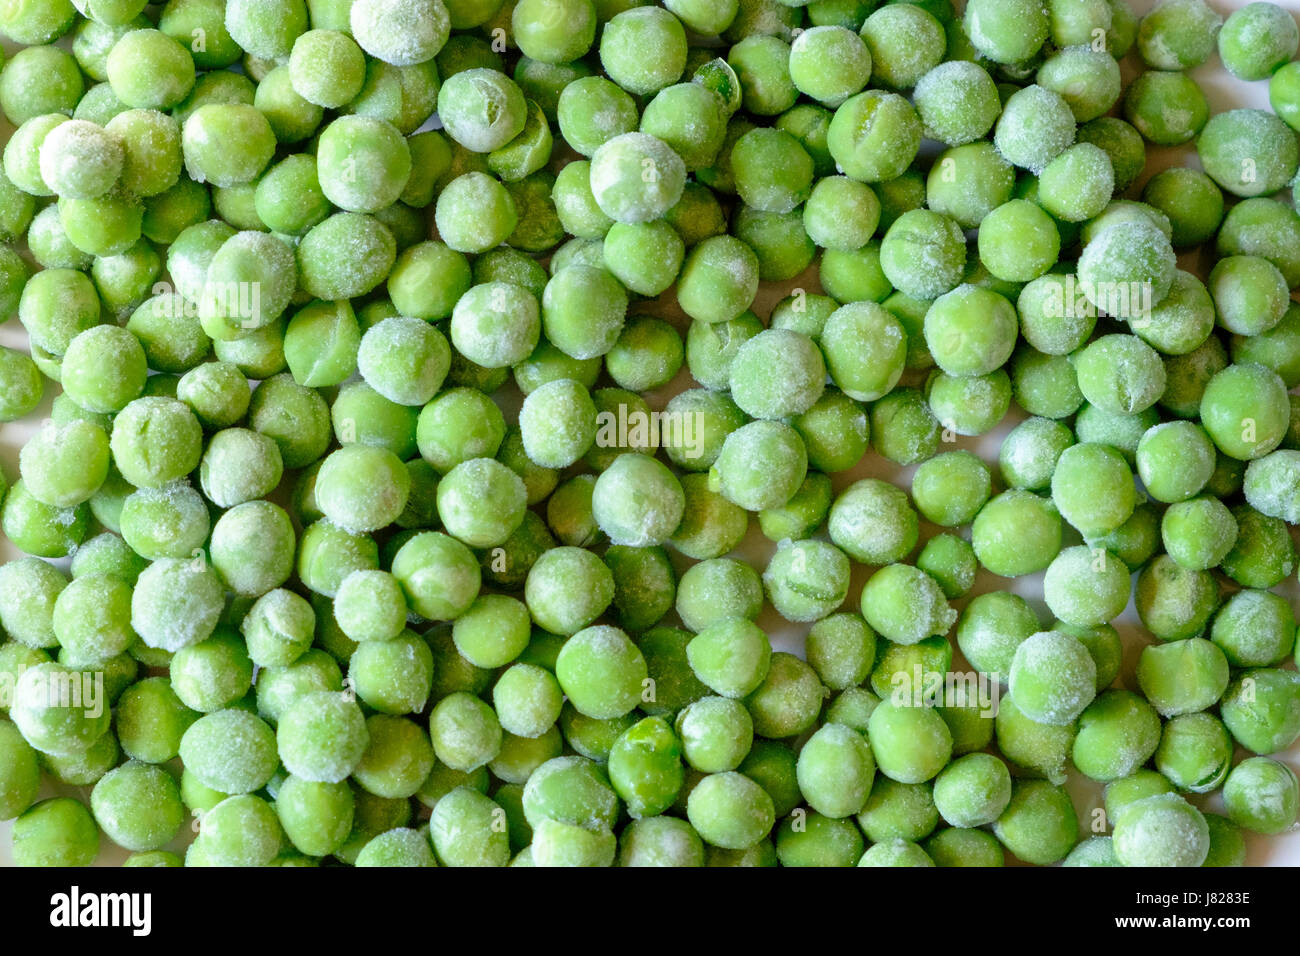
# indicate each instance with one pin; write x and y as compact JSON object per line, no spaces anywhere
{"x":1198,"y":533}
{"x":252,"y":548}
{"x":829,"y":63}
{"x":138,"y":806}
{"x":1086,"y":587}
{"x":1261,"y":709}
{"x":1254,"y":629}
{"x":1037,"y":748}
{"x":716,"y":734}
{"x":968,"y":182}
{"x":1088,"y":78}
{"x":895,"y":853}
{"x":1052,"y":677}
{"x":1161,"y":830}
{"x":278,"y":628}
{"x":865,"y":348}
{"x":1117,"y":733}
{"x":874,"y":136}
{"x":729,"y":810}
{"x":1174,"y":602}
{"x":744,"y":473}
{"x":1029,"y":453}
{"x":1248,"y":152}
{"x":951,"y":561}
{"x":842,"y":649}
{"x":1035,"y":127}
{"x":911,"y":744}
{"x":239,"y":830}
{"x":897,"y":663}
{"x":715,"y":590}
{"x":1018,"y":241}
{"x":1227,"y":844}
{"x":326,"y":273}
{"x":50,"y":710}
{"x":316,"y":817}
{"x":1262,"y":555}
{"x":404,"y":359}
{"x":81,"y":160}
{"x":481,"y":502}
{"x":64,"y":465}
{"x":835,"y":771}
{"x":230,"y":751}
{"x":1257,"y":39}
{"x":1261,"y":795}
{"x":806,"y":580}
{"x":322,"y":737}
{"x":955,"y":846}
{"x":991,"y":628}
{"x":21,"y":778}
{"x":1195,"y":752}
{"x":1039,"y":825}
{"x":558,"y":423}
{"x":973,"y":790}
{"x":55,"y":832}
{"x":582,"y":311}
{"x":950,"y":489}
{"x":788,"y":700}
{"x":731,"y":657}
{"x":362,"y":488}
{"x":397,"y":759}
{"x":1080,"y":472}
{"x":370,"y":606}
{"x":620,"y":183}
{"x":1016,"y":533}
{"x":1271,"y":487}
{"x":1250,"y":294}
{"x":554,"y":602}
{"x":777,"y":374}
{"x":647,"y":355}
{"x":1178,"y":34}
{"x":92,"y":618}
{"x":393,"y":677}
{"x":824,"y":219}
{"x":637,"y":501}
{"x":1243,"y":411}
{"x":691,"y":120}
{"x":906,"y":605}
{"x":239,"y":465}
{"x":923,"y":254}
{"x":903,"y":428}
{"x":459,"y":425}
{"x":176,"y":603}
{"x":957,"y":101}
{"x":1007,"y":33}
{"x":107,"y":553}
{"x":40,"y":529}
{"x":970,"y":331}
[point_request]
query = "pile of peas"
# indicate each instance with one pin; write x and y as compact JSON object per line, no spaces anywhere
{"x":330,"y":517}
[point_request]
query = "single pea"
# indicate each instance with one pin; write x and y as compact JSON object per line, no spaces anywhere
{"x":1261,"y":795}
{"x":910,"y":744}
{"x":1039,"y":825}
{"x":1161,"y":830}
